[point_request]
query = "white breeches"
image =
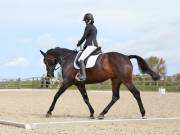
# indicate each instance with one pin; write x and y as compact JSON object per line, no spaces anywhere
{"x":87,"y":52}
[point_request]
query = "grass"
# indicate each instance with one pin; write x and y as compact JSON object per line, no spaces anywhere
{"x":141,"y":85}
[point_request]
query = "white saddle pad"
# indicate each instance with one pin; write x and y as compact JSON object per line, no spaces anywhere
{"x":90,"y":62}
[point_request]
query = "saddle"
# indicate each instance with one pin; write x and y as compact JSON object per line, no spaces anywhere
{"x":90,"y":61}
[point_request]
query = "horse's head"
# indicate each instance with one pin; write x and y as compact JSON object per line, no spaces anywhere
{"x":50,"y":61}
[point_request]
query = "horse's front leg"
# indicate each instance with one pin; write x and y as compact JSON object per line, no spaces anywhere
{"x":62,"y":89}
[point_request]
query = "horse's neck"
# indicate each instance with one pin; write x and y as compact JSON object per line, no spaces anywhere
{"x":65,"y":54}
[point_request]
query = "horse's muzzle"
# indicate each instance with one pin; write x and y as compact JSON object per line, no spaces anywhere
{"x":51,"y":75}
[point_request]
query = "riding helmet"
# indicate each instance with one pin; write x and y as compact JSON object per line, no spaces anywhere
{"x":88,"y":16}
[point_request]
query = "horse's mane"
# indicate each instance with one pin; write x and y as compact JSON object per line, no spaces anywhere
{"x":62,"y":51}
{"x":65,"y":50}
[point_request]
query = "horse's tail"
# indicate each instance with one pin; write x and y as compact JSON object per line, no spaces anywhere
{"x":143,"y":66}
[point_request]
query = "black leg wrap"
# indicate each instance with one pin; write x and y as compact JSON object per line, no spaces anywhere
{"x":114,"y":99}
{"x":86,"y":101}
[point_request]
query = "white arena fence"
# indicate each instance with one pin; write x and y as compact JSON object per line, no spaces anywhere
{"x":39,"y":82}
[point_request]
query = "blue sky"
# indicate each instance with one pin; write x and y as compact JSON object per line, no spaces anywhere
{"x":142,"y":27}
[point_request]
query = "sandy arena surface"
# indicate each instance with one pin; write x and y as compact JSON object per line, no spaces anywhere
{"x":31,"y":106}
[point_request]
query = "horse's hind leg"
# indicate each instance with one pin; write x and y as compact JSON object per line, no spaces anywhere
{"x":115,"y":97}
{"x":83,"y":92}
{"x":137,"y":96}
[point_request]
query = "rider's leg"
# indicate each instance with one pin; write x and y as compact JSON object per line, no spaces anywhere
{"x":83,"y":56}
{"x":82,"y":76}
{"x":87,"y":52}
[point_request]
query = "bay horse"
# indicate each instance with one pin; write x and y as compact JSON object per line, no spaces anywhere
{"x":112,"y":65}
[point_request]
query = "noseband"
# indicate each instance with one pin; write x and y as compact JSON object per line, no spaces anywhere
{"x":49,"y":67}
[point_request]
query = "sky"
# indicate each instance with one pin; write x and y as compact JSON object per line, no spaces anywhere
{"x":140,"y":27}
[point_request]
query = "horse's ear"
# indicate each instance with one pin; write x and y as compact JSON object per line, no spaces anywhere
{"x":44,"y":54}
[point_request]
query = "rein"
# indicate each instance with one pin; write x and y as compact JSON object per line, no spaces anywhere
{"x":57,"y":68}
{"x":62,"y":58}
{"x":68,"y":54}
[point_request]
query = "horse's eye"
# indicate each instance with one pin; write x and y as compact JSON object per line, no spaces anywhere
{"x":51,"y":62}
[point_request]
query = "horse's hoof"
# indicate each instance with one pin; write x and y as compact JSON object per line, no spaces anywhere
{"x":92,"y":117}
{"x":100,"y":117}
{"x":144,"y":117}
{"x":48,"y":115}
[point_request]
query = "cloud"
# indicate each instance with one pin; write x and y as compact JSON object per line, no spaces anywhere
{"x":123,"y":14}
{"x":131,"y":27}
{"x":17,"y":62}
{"x":161,"y":40}
{"x":24,"y":40}
{"x":46,"y":41}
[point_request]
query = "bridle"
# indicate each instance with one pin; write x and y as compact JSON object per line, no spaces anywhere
{"x":62,"y":58}
{"x":49,"y":67}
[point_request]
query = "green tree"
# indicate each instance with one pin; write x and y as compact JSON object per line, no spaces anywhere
{"x":177,"y":76}
{"x":158,"y":65}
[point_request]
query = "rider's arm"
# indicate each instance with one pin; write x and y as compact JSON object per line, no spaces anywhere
{"x":86,"y":32}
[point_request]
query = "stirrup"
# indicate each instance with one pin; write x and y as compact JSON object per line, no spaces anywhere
{"x":78,"y":78}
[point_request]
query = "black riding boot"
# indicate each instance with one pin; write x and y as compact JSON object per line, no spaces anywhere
{"x":82,"y":76}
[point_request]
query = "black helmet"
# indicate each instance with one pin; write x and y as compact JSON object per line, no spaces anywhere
{"x":88,"y":16}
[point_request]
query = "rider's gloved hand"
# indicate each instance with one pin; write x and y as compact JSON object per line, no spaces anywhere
{"x":78,"y":44}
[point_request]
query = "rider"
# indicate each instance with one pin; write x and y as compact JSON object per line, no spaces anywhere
{"x":90,"y":45}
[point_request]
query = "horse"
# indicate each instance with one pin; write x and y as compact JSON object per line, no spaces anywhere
{"x":111,"y":65}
